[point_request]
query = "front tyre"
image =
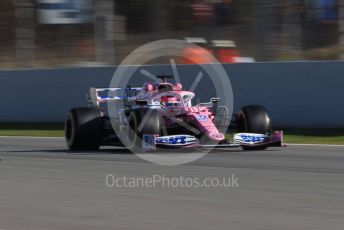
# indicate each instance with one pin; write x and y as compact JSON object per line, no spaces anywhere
{"x":83,"y":129}
{"x":254,"y":119}
{"x":141,"y":121}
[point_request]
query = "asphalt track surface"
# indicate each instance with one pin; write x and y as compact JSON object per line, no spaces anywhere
{"x":45,"y":187}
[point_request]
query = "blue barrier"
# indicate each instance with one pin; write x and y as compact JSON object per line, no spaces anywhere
{"x":296,"y":94}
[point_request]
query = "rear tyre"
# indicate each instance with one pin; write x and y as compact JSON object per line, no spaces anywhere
{"x":254,"y":119}
{"x":141,"y":122}
{"x":83,"y":129}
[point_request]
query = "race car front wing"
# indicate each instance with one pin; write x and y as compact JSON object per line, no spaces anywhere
{"x":152,"y":142}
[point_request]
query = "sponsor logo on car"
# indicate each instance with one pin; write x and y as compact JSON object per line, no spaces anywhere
{"x":202,"y":117}
{"x":250,"y":137}
{"x":217,"y":136}
{"x":176,"y":140}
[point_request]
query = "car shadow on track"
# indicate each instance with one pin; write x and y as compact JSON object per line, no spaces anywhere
{"x":124,"y":151}
{"x":69,"y":152}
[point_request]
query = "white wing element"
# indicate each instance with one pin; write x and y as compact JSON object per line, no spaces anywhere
{"x":250,"y":138}
{"x":105,"y":95}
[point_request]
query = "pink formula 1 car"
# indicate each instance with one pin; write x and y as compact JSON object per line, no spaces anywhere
{"x":161,"y":115}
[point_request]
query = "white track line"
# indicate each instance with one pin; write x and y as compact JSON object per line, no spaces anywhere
{"x":324,"y":145}
{"x":30,"y":137}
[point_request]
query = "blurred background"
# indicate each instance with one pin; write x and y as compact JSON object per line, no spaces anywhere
{"x":53,"y":33}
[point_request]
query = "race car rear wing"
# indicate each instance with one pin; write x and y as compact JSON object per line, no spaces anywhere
{"x":116,"y":95}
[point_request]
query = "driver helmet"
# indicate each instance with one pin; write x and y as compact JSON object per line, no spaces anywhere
{"x":169,"y":101}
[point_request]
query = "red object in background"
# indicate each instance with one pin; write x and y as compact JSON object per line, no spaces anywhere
{"x":196,"y":56}
{"x":202,"y":12}
{"x":227,"y":55}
